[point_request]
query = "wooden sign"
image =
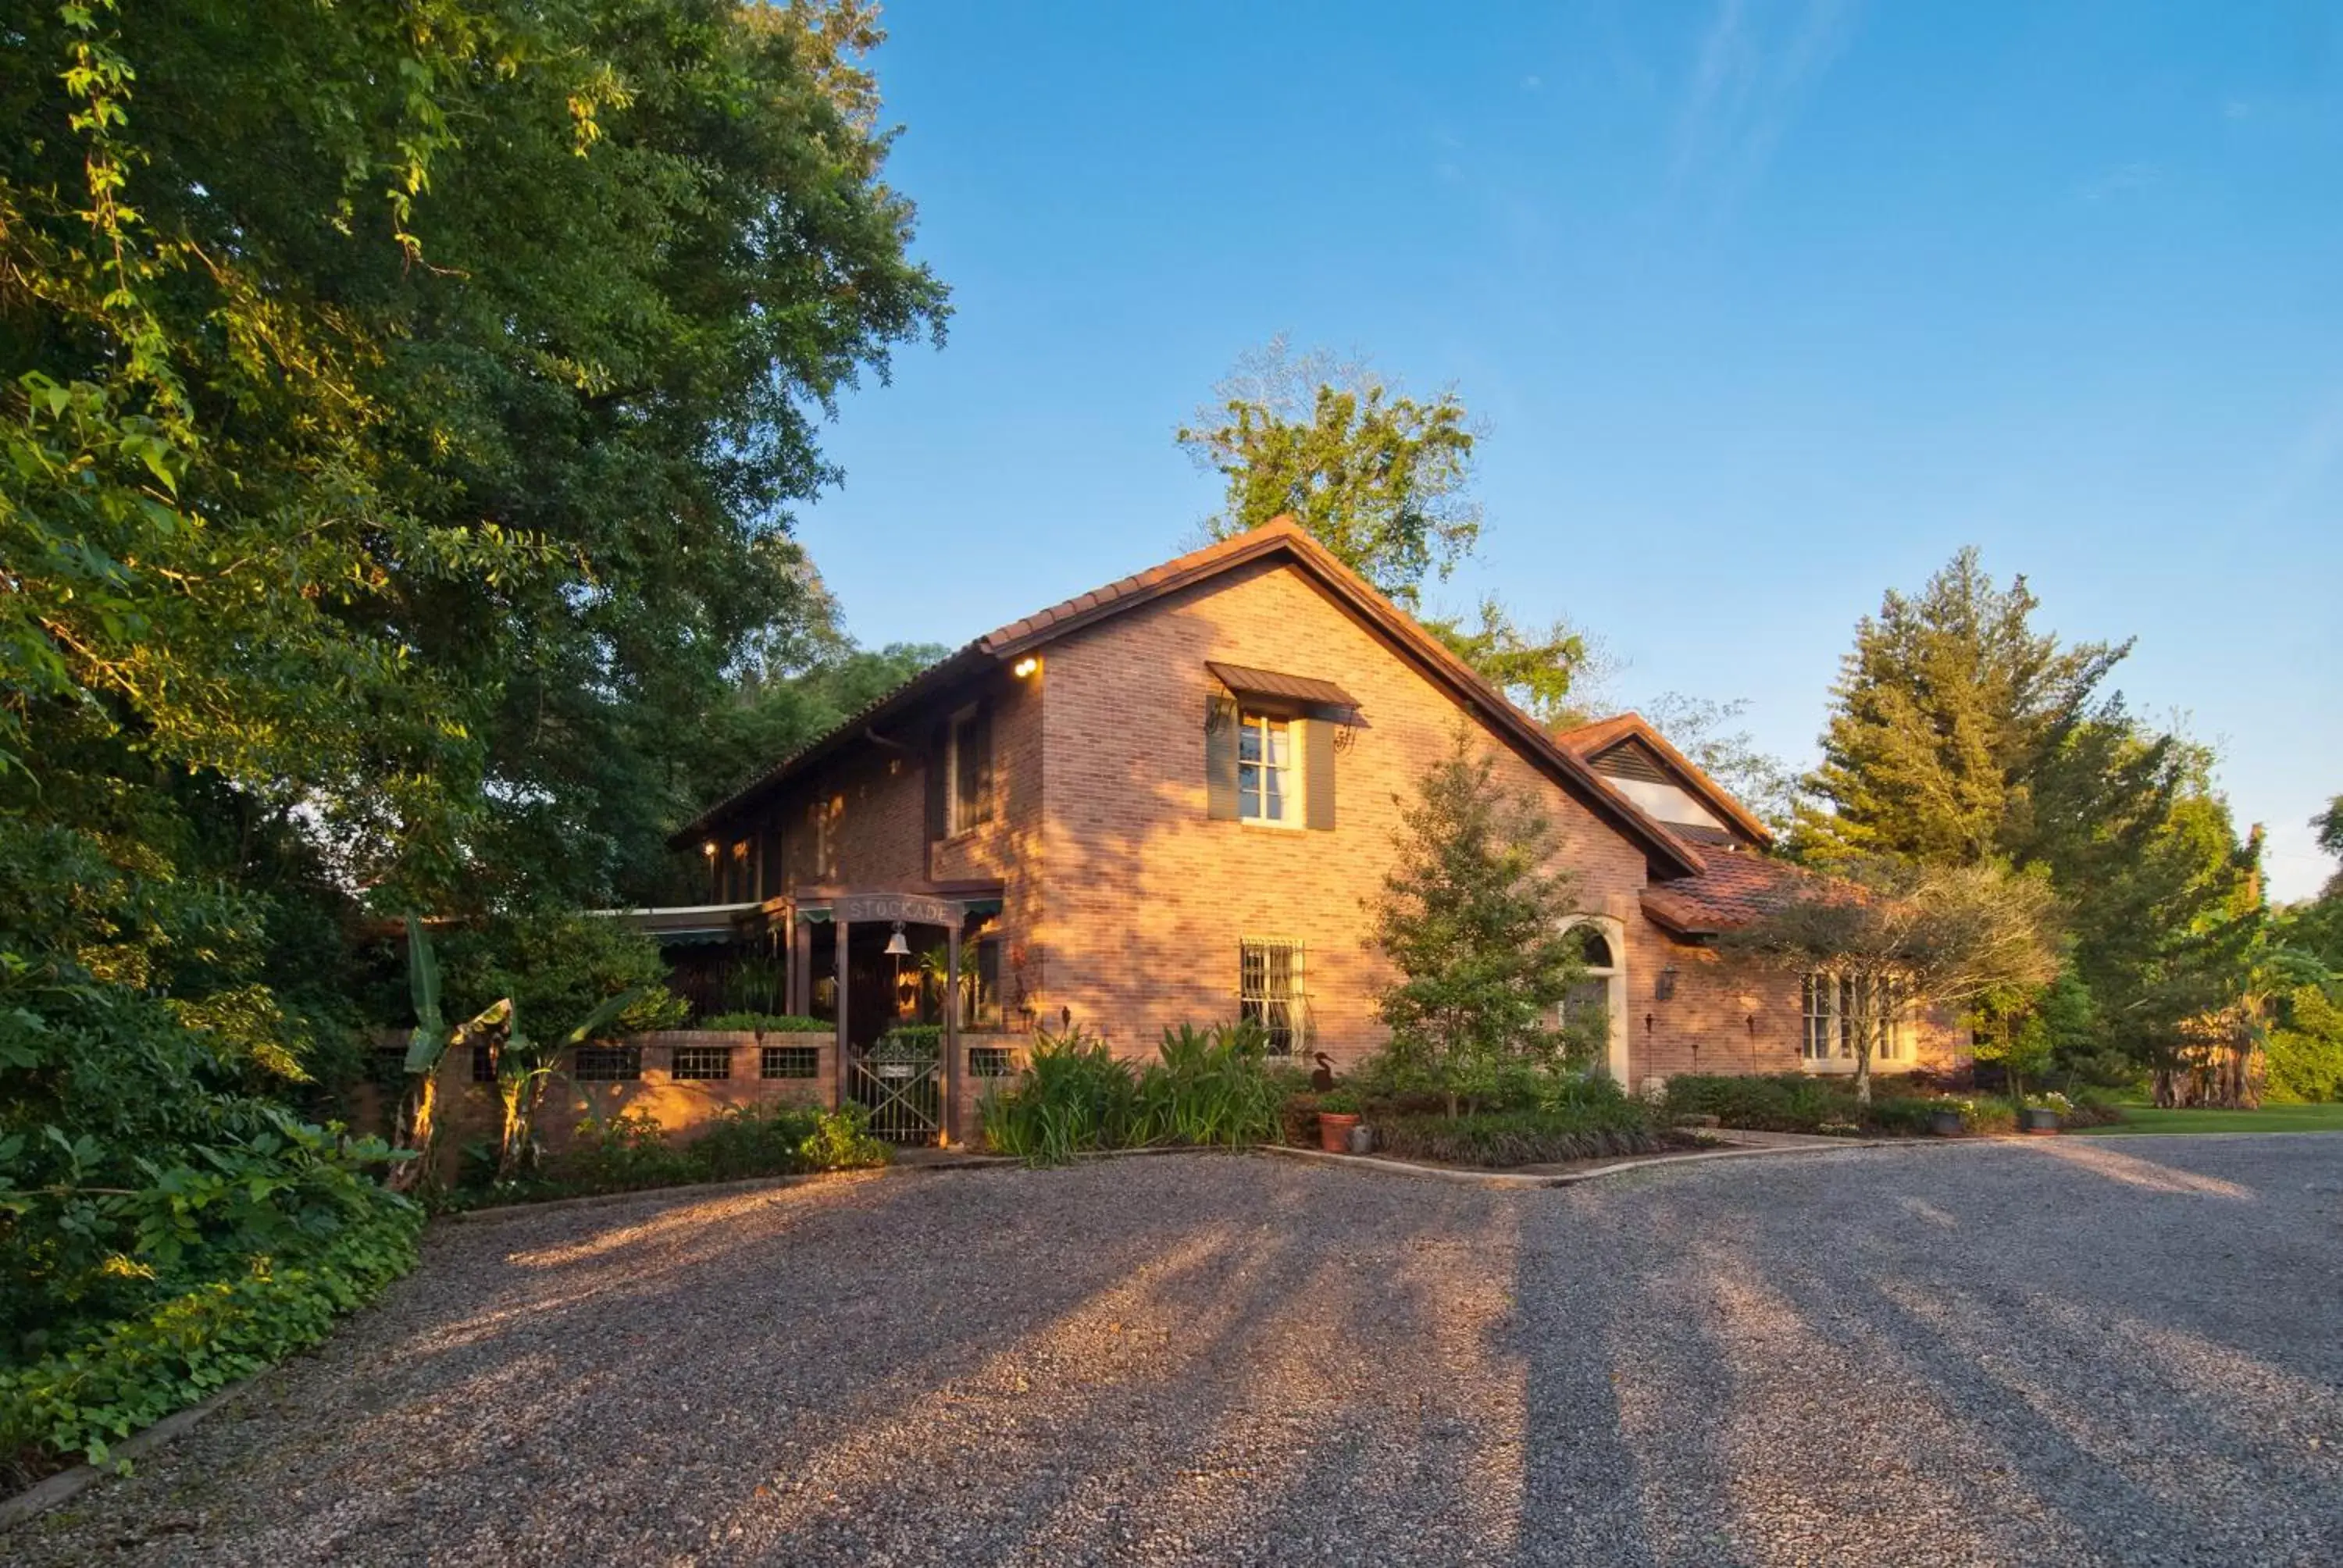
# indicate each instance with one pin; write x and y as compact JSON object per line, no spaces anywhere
{"x":911,"y":908}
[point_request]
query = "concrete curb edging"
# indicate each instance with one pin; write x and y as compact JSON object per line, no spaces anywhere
{"x":67,"y":1484}
{"x":1518,"y":1183}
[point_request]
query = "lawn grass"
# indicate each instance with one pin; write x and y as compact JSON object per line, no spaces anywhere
{"x":2328,"y":1118}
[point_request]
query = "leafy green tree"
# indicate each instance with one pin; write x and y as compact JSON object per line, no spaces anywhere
{"x":1944,"y":936}
{"x":1471,"y":916}
{"x":1961,"y":734}
{"x":446,"y":458}
{"x":403,"y":410}
{"x":1379,"y":478}
{"x":1383,"y":480}
{"x":1535,"y":669}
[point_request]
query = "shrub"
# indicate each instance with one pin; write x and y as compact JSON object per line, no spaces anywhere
{"x":1903,"y":1113}
{"x":2305,"y":1053}
{"x":136,"y":1371}
{"x":1790,"y":1102}
{"x":2094,"y":1108}
{"x":557,"y":966}
{"x":1074,"y":1095}
{"x":631,"y":1152}
{"x":1502,"y":1138}
{"x":763,"y":1023}
{"x":1211,"y":1087}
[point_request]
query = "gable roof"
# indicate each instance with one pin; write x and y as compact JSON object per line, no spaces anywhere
{"x":1589,"y":742}
{"x":1283,"y":540}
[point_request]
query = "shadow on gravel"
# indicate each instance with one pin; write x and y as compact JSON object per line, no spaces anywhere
{"x":1880,"y":1357}
{"x":2012,"y":1355}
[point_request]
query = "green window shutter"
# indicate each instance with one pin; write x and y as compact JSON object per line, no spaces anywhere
{"x":1318,"y":772}
{"x":1221,"y":757}
{"x":980,"y":741}
{"x":939,"y":766}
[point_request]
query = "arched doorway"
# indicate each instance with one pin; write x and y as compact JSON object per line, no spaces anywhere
{"x":1597,"y":1005}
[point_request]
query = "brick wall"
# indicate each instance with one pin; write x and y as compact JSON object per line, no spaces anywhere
{"x":1148,"y":896}
{"x":1124,"y":902}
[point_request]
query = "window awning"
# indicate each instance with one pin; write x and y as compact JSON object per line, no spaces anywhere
{"x":1318,"y":696}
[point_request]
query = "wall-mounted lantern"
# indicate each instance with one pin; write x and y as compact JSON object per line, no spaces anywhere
{"x":1665,"y":988}
{"x":1025,"y":667}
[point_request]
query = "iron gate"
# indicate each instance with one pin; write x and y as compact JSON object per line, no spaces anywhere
{"x":898,"y":1080}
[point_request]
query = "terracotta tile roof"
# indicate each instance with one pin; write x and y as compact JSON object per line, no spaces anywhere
{"x":1589,"y":741}
{"x":1734,"y":888}
{"x":1283,"y":537}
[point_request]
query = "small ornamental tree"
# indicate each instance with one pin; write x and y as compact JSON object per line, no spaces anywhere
{"x":1472,"y":920}
{"x":1929,"y":936}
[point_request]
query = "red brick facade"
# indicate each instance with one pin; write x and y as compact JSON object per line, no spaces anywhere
{"x":1123,"y":900}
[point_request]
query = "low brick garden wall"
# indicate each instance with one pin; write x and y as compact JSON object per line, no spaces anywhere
{"x":683,"y":1079}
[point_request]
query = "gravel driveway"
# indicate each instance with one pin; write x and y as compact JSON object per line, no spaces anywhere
{"x":2057,"y":1351}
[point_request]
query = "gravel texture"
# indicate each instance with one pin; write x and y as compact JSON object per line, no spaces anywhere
{"x":2050,"y":1352}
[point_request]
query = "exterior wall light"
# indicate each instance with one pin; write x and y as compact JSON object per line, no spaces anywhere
{"x":1025,"y":667}
{"x":709,"y":849}
{"x":1664,"y":989}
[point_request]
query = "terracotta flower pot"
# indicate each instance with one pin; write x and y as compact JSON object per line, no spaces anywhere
{"x":1334,"y":1131}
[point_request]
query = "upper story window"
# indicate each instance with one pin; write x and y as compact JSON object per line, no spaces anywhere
{"x":1269,"y":770}
{"x":968,"y":767}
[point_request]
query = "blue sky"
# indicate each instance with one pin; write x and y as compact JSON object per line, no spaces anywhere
{"x":1765,"y":308}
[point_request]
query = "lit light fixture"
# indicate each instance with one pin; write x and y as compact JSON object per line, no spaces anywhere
{"x":1025,"y":667}
{"x":1666,"y":991}
{"x":709,"y":849}
{"x":897,"y":948}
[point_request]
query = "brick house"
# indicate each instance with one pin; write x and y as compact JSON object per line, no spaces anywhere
{"x":1165,"y":801}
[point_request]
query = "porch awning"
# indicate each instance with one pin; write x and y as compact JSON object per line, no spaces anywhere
{"x":677,"y":925}
{"x":1319,"y":696}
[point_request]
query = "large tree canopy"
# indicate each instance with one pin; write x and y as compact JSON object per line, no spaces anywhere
{"x":402,"y":403}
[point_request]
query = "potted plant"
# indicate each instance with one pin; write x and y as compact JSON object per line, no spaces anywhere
{"x":1338,"y":1112}
{"x":2042,"y":1112}
{"x":1949,"y":1118}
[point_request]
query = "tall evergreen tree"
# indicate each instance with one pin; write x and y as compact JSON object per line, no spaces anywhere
{"x":1961,"y":735}
{"x":1942,"y":716}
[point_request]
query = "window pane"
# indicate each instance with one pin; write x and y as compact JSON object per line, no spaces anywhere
{"x":1272,"y":794}
{"x":1249,"y":741}
{"x":1280,"y":743}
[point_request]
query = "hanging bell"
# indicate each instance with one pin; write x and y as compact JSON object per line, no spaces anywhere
{"x":897,"y":948}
